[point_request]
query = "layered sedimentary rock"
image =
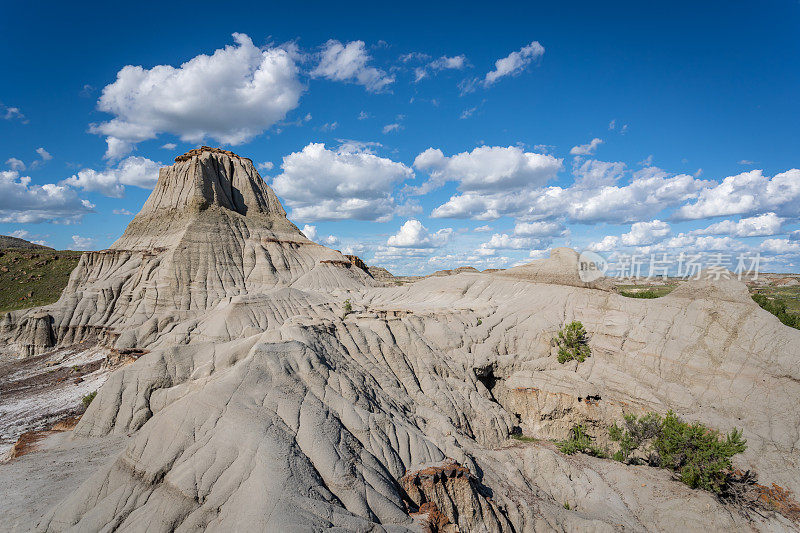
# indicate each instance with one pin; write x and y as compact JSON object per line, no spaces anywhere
{"x":265,"y":402}
{"x":211,"y":231}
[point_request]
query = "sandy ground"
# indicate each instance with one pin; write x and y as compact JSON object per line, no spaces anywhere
{"x":28,"y":491}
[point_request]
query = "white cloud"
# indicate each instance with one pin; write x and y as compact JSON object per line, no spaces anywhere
{"x":169,"y":146}
{"x":11,"y":113}
{"x":586,"y":149}
{"x":780,"y":246}
{"x":44,"y":154}
{"x":539,"y":229}
{"x":794,"y":235}
{"x":612,"y":125}
{"x":347,"y":183}
{"x":82,"y":243}
{"x":643,"y":233}
{"x":757,"y":226}
{"x":748,"y":193}
{"x":329,"y":126}
{"x":650,"y":191}
{"x":468,"y":112}
{"x":487,"y":168}
{"x":20,"y":234}
{"x":330,"y":240}
{"x":124,"y":212}
{"x":392,"y":127}
{"x":514,"y":63}
{"x":340,"y":62}
{"x":22,"y":202}
{"x":136,"y":171}
{"x":231,"y":96}
{"x":363,"y":115}
{"x":266,"y":166}
{"x":15,"y":164}
{"x":503,"y":241}
{"x":746,"y":162}
{"x":592,"y":174}
{"x":310,"y":232}
{"x":443,"y":63}
{"x":414,"y":235}
{"x":609,"y":243}
{"x":483,"y":228}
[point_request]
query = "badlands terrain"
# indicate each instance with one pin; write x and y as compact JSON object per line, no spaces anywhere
{"x":251,"y":380}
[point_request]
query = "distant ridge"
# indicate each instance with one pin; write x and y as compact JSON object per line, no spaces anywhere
{"x":8,"y":242}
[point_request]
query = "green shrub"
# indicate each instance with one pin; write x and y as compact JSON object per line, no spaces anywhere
{"x":88,"y":399}
{"x":480,"y":321}
{"x":572,"y":343}
{"x":633,"y":433}
{"x":700,"y":456}
{"x":579,"y":442}
{"x":777,"y":307}
{"x":348,"y":307}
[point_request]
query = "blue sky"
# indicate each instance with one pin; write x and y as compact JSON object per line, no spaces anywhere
{"x":419,"y":136}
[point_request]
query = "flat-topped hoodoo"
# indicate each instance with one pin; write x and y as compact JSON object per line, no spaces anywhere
{"x":206,"y":182}
{"x":211,"y":230}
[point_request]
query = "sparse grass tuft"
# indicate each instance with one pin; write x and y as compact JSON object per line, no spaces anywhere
{"x":572,"y":342}
{"x":87,"y":400}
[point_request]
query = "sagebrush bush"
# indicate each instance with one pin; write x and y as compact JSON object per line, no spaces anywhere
{"x":700,"y":456}
{"x":579,"y":442}
{"x":572,"y":342}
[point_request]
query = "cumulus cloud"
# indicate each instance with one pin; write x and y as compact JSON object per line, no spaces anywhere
{"x":592,"y":174}
{"x":413,"y":234}
{"x":44,"y":154}
{"x":266,"y":166}
{"x":747,"y":193}
{"x":607,"y":244}
{"x":649,"y":191}
{"x":643,"y":233}
{"x":310,"y":232}
{"x":230,"y":96}
{"x":124,"y":212}
{"x":757,"y":226}
{"x":514,"y":63}
{"x":136,"y":171}
{"x":82,"y":243}
{"x":780,"y":246}
{"x":169,"y":146}
{"x":586,"y":149}
{"x":348,"y":63}
{"x":503,"y":241}
{"x":539,"y":229}
{"x":350,"y":182}
{"x":487,"y":168}
{"x":23,"y":202}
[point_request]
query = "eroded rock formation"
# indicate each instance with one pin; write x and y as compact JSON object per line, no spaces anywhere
{"x":258,"y":402}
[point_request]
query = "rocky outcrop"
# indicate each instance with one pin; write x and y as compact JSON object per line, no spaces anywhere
{"x":210,"y":231}
{"x":275,"y":385}
{"x":452,"y":499}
